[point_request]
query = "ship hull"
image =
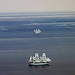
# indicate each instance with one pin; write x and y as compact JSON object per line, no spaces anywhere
{"x":38,"y":64}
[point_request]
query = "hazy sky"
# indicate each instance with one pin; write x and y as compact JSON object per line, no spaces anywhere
{"x":36,"y":5}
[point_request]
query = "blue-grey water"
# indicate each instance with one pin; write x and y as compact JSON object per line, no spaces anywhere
{"x":18,"y":42}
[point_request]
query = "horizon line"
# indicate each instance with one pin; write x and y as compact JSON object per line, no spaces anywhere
{"x":37,"y":12}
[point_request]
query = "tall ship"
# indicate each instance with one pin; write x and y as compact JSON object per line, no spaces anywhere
{"x":37,"y":31}
{"x":39,"y":60}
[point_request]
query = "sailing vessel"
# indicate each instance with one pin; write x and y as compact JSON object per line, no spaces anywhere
{"x":36,"y":60}
{"x":37,"y":31}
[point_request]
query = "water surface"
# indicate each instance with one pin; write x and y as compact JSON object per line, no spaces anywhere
{"x":18,"y":42}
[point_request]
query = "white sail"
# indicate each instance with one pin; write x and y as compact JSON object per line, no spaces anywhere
{"x":48,"y":60}
{"x":30,"y":60}
{"x":33,"y":58}
{"x":37,"y":31}
{"x":44,"y":59}
{"x":37,"y":57}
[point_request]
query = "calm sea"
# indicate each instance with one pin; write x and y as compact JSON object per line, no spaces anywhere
{"x":18,"y":42}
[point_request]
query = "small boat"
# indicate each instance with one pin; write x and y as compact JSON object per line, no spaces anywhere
{"x":37,"y":31}
{"x":36,"y":60}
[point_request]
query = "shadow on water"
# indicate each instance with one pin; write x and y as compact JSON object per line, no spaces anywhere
{"x":38,"y":66}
